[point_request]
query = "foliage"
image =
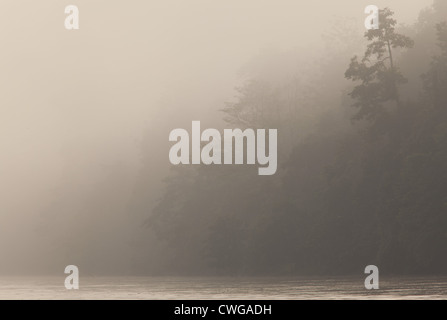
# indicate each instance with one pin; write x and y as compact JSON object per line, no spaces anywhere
{"x":377,"y":72}
{"x":343,"y":199}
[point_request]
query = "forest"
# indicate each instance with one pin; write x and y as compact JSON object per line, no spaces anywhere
{"x":362,"y":167}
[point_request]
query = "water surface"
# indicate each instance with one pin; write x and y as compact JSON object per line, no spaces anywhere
{"x":221,"y":288}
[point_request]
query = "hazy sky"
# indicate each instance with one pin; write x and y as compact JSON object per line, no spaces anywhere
{"x":75,"y":102}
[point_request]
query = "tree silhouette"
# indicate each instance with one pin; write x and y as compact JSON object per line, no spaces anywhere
{"x":435,"y":80}
{"x":377,"y":70}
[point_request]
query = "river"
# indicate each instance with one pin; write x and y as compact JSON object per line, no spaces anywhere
{"x":221,"y":288}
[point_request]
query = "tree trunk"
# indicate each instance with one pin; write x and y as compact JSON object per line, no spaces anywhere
{"x":396,"y":93}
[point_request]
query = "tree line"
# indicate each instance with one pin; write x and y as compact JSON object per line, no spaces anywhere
{"x":361,"y":180}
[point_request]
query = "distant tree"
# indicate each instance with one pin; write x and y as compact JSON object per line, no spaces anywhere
{"x":258,"y":105}
{"x":377,"y":70}
{"x":435,"y":80}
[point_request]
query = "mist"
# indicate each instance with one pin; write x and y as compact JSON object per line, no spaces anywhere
{"x":85,"y":115}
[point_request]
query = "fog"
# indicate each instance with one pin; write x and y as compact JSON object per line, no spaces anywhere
{"x":85,"y":115}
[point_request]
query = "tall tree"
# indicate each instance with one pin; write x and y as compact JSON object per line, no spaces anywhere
{"x":435,"y":79}
{"x":377,"y":70}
